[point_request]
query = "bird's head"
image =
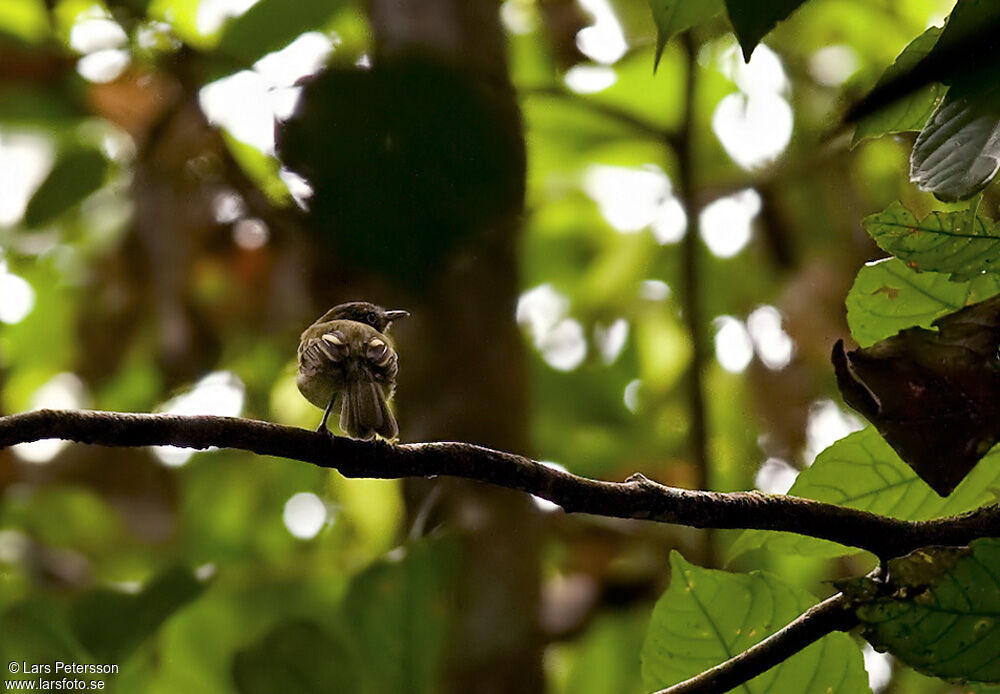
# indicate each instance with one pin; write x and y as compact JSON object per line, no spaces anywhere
{"x":363,"y":312}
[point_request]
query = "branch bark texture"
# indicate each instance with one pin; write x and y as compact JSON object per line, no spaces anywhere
{"x":637,"y":497}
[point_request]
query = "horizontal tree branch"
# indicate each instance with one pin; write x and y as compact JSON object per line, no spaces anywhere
{"x":636,"y":497}
{"x":833,"y":614}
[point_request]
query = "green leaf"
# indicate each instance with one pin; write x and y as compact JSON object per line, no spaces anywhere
{"x":52,"y":108}
{"x":964,"y":54}
{"x":674,"y":16}
{"x":261,"y":168}
{"x":862,"y":471}
{"x":707,"y":617}
{"x":912,"y":111}
{"x":35,"y":630}
{"x":940,"y":611}
{"x":940,"y":242}
{"x":397,"y":614}
{"x":958,"y":152}
{"x":753,"y":19}
{"x":887,"y":297}
{"x":111,"y":624}
{"x":273,"y":24}
{"x":297,"y":657}
{"x":76,"y":174}
{"x":27,"y":20}
{"x":603,"y":659}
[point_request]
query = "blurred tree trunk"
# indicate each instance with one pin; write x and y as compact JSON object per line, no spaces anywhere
{"x":463,"y":371}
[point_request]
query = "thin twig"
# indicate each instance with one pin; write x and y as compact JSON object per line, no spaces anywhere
{"x":622,"y":116}
{"x":833,"y":614}
{"x":637,"y":497}
{"x":690,"y":275}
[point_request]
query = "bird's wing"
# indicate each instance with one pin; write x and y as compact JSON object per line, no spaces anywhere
{"x":320,"y":352}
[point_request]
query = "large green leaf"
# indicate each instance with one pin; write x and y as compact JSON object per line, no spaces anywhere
{"x":958,"y":152}
{"x":273,"y":24}
{"x":939,"y":612}
{"x":76,"y":174}
{"x":111,"y":623}
{"x":295,"y":657}
{"x":862,"y":471}
{"x":674,"y":16}
{"x":952,"y":242}
{"x":397,"y":614}
{"x":913,"y":110}
{"x":707,"y":617}
{"x":753,"y":19}
{"x":887,"y":297}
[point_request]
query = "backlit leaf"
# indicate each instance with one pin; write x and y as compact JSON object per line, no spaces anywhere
{"x":707,"y":617}
{"x":950,"y":242}
{"x":862,"y":471}
{"x":913,"y":110}
{"x":887,"y":297}
{"x":940,"y":611}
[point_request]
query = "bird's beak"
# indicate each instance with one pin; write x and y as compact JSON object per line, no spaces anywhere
{"x":396,"y":315}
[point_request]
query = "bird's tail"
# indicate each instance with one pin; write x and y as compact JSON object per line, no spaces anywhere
{"x":364,"y":411}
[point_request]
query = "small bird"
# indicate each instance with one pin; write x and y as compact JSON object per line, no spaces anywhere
{"x":347,"y":354}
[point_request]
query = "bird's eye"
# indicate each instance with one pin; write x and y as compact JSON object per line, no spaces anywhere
{"x":371,"y":318}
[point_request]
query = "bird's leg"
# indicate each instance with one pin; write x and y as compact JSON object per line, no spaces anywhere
{"x":326,"y":415}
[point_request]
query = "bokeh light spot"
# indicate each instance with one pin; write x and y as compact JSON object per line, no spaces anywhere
{"x":826,"y":424}
{"x":775,"y":476}
{"x":545,"y":505}
{"x":733,"y":347}
{"x":559,"y":339}
{"x":304,"y":515}
{"x":610,"y":340}
{"x":103,"y":66}
{"x":774,"y":346}
{"x":25,"y":161}
{"x":17,"y":298}
{"x":631,"y":395}
{"x":879,"y":667}
{"x":250,"y":234}
{"x":64,"y":391}
{"x":604,"y":41}
{"x":590,"y":79}
{"x":631,"y":199}
{"x":754,"y":125}
{"x":831,"y":66}
{"x":220,"y":393}
{"x":726,"y":222}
